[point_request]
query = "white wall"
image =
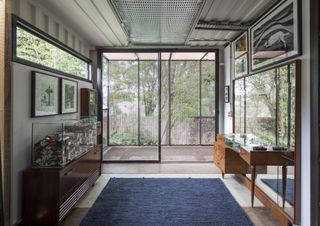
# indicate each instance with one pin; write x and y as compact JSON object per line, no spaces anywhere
{"x":305,"y":116}
{"x":22,"y":129}
{"x":37,"y":15}
{"x":221,"y":90}
{"x":228,"y":68}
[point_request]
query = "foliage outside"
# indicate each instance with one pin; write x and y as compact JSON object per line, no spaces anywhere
{"x":34,"y":49}
{"x":122,"y":82}
{"x":262,"y":98}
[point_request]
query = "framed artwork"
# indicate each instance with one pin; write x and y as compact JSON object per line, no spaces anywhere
{"x":241,"y":66}
{"x":45,"y":95}
{"x":240,"y":47}
{"x":69,"y":96}
{"x":226,"y":94}
{"x":275,"y":37}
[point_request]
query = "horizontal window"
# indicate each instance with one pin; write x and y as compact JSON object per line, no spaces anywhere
{"x":37,"y":50}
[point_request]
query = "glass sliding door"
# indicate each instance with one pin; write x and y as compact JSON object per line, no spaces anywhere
{"x":208,"y":96}
{"x":149,"y":99}
{"x":139,"y":113}
{"x":185,"y":95}
{"x":133,"y":110}
{"x":123,"y":103}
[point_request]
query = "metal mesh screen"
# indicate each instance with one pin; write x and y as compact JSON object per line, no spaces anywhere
{"x":158,"y":21}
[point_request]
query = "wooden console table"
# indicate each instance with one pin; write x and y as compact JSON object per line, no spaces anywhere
{"x":267,"y":158}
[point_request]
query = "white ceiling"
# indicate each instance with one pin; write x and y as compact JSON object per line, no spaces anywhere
{"x":99,"y":22}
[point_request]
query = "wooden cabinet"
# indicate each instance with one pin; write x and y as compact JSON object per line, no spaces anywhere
{"x":49,"y":194}
{"x":227,"y":159}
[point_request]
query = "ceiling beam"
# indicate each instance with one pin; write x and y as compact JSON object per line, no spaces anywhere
{"x":222,"y":26}
{"x":209,"y":40}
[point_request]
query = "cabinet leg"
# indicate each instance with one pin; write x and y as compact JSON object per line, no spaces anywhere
{"x":253,"y":182}
{"x":284,"y":185}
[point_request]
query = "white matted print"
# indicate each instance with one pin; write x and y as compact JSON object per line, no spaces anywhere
{"x":69,"y":96}
{"x":45,"y":95}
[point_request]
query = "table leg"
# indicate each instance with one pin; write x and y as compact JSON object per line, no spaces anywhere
{"x":222,"y":175}
{"x":284,"y":184}
{"x":253,"y":182}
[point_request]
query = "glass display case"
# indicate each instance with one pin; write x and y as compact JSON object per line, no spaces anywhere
{"x":236,"y":140}
{"x":57,"y":144}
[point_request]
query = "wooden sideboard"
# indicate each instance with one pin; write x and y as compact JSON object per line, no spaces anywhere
{"x":49,"y":194}
{"x":227,"y":159}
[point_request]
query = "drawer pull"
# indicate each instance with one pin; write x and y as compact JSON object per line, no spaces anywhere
{"x":69,"y":172}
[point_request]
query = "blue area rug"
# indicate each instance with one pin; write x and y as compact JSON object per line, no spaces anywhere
{"x":276,"y":185}
{"x":172,"y":202}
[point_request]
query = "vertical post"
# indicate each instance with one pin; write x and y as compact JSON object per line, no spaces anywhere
{"x":289,"y":105}
{"x":315,"y":116}
{"x":139,"y":103}
{"x":200,"y":102}
{"x":108,"y":103}
{"x":217,"y":92}
{"x":6,"y":37}
{"x":245,"y":106}
{"x":159,"y":105}
{"x":277,"y":105}
{"x":169,"y":98}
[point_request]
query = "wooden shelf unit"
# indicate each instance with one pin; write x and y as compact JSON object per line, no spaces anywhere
{"x":50,"y":193}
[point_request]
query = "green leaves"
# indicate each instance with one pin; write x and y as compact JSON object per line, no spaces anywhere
{"x":34,"y":49}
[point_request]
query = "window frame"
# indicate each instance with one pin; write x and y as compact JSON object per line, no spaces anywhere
{"x":18,"y":22}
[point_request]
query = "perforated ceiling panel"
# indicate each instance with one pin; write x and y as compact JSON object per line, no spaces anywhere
{"x":158,"y":21}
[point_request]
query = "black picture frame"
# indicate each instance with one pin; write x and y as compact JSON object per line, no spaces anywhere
{"x":240,"y":54}
{"x":42,"y":87}
{"x":275,"y":37}
{"x":226,"y":94}
{"x":72,"y":101}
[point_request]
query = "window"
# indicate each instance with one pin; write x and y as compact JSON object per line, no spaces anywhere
{"x":265,"y":105}
{"x":37,"y":50}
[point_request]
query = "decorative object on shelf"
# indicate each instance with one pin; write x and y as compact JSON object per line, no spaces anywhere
{"x":88,"y":102}
{"x":240,"y":47}
{"x":275,"y":37}
{"x":259,"y":148}
{"x":278,"y":148}
{"x":57,"y":144}
{"x":226,"y":94}
{"x":69,"y":96}
{"x":45,"y":95}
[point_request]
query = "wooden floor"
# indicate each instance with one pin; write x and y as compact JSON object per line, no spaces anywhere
{"x":168,"y":153}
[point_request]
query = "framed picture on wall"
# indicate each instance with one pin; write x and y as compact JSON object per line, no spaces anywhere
{"x":45,"y":94}
{"x":69,"y":96}
{"x":275,"y":37}
{"x":240,"y":47}
{"x":226,"y":94}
